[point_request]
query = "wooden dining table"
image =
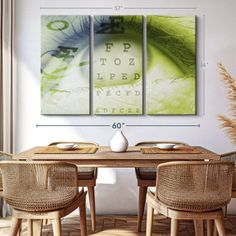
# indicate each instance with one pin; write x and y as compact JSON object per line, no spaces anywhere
{"x":104,"y":157}
{"x":133,"y":157}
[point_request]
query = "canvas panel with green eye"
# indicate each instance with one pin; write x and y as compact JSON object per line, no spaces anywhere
{"x":117,"y":65}
{"x":65,"y":81}
{"x":170,"y":70}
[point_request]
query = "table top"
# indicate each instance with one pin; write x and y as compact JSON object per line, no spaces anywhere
{"x":104,"y":157}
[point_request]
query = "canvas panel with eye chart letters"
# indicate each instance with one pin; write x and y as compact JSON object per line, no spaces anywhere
{"x":171,"y":65}
{"x":117,"y":65}
{"x":65,"y":76}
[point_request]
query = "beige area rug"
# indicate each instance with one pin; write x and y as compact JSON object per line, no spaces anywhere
{"x":118,"y":226}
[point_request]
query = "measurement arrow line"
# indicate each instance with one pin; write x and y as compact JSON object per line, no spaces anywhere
{"x":160,"y":8}
{"x":82,"y":8}
{"x":167,"y":125}
{"x":136,"y":125}
{"x":39,"y":125}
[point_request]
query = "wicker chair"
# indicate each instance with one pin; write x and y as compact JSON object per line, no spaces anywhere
{"x":231,"y":156}
{"x":146,"y":177}
{"x":4,"y":157}
{"x":42,"y":190}
{"x":191,"y":191}
{"x":87,"y":177}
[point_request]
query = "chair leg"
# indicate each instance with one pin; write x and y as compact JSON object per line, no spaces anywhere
{"x":83,"y":226}
{"x":220,"y":226}
{"x":215,"y":233}
{"x":56,"y":225}
{"x":225,"y":211}
{"x":149,"y":220}
{"x":30,"y":228}
{"x":198,"y":226}
{"x":37,"y":227}
{"x":209,"y":227}
{"x":174,"y":227}
{"x":141,"y":206}
{"x":16,"y":223}
{"x":20,"y":229}
{"x":92,"y":207}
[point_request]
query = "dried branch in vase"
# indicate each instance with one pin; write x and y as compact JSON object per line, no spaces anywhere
{"x":229,"y":123}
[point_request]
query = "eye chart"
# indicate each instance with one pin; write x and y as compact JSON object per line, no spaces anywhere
{"x":118,"y":65}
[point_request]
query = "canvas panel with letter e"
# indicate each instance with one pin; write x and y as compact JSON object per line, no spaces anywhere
{"x":65,"y":79}
{"x":171,"y":65}
{"x":117,"y":66}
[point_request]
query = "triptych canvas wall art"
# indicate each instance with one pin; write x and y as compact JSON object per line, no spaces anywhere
{"x":97,"y":65}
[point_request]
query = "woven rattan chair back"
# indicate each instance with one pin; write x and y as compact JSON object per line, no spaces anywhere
{"x":146,"y":177}
{"x":42,"y":190}
{"x":39,"y":186}
{"x":87,"y":178}
{"x":195,"y":186}
{"x":4,"y":157}
{"x":191,"y":191}
{"x":231,"y":156}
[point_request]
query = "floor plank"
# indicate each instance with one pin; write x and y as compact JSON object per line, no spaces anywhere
{"x":118,"y":226}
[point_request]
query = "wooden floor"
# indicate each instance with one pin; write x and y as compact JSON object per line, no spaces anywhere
{"x":118,"y":226}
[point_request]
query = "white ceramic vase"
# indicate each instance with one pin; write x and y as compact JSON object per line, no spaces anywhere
{"x":119,"y":143}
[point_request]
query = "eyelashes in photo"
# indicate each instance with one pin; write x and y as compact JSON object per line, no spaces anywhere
{"x":65,"y":81}
{"x":170,"y":74}
{"x":171,"y":60}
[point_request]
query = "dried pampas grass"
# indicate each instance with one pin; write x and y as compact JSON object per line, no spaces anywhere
{"x":229,"y":123}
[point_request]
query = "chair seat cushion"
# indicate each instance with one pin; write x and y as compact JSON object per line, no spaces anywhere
{"x":146,"y":173}
{"x":41,"y":200}
{"x":193,"y":205}
{"x":86,"y":172}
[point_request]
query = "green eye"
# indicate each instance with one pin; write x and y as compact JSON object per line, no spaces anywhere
{"x":118,"y":64}
{"x":170,"y":74}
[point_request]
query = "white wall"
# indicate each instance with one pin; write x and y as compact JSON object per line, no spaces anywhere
{"x":117,"y":187}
